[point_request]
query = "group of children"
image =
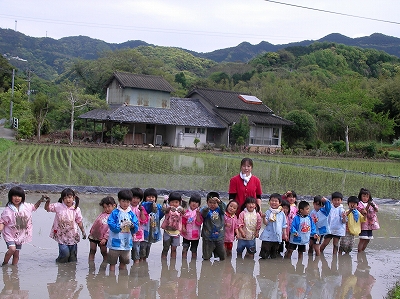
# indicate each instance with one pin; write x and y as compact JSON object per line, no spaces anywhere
{"x":126,"y":229}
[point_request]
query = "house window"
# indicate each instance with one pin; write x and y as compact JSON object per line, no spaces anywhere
{"x":190,"y":130}
{"x":264,"y":136}
{"x":201,"y":130}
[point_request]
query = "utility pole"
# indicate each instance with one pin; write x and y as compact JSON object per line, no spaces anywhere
{"x":12,"y":96}
{"x":29,"y":83}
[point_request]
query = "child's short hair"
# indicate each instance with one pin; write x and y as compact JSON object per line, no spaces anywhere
{"x":318,"y":200}
{"x":212,"y":194}
{"x":337,"y":195}
{"x":303,"y":204}
{"x":277,"y":196}
{"x":15,"y":191}
{"x":250,"y":200}
{"x":137,"y":192}
{"x":150,"y":192}
{"x":195,"y":197}
{"x":125,"y":194}
{"x":175,"y":196}
{"x":232,"y":201}
{"x":353,"y":199}
{"x":69,"y":192}
{"x":246,"y":160}
{"x":285,"y":203}
{"x":291,"y":193}
{"x":364,"y":191}
{"x":108,"y":200}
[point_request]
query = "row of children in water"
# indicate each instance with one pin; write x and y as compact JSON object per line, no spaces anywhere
{"x":135,"y":225}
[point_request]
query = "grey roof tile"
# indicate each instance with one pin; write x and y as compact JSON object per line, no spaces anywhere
{"x":254,"y":118}
{"x":141,"y":81}
{"x":182,"y":112}
{"x":227,"y":100}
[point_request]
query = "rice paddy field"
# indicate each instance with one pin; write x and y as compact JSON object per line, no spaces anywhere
{"x":122,"y":167}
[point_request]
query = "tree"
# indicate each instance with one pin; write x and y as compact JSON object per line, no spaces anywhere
{"x":76,"y":100}
{"x":180,"y":78}
{"x":304,"y":128}
{"x":40,"y":108}
{"x":241,"y":130}
{"x":348,"y":108}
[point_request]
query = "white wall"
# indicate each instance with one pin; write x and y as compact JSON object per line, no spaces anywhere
{"x":187,"y":138}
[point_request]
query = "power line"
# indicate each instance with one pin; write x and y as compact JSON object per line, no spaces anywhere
{"x":333,"y":12}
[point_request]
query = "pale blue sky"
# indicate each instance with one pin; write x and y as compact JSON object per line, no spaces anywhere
{"x":201,"y":26}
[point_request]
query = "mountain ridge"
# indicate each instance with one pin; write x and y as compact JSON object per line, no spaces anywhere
{"x":50,"y":56}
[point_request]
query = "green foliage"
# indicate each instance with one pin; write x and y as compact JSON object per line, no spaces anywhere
{"x":240,"y":141}
{"x":196,"y":141}
{"x":303,"y":130}
{"x":5,"y":74}
{"x":180,"y":78}
{"x":241,"y":130}
{"x":394,"y":293}
{"x":339,"y":146}
{"x":5,"y":144}
{"x":177,"y":59}
{"x":339,"y":86}
{"x":396,"y":142}
{"x":118,"y":133}
{"x":370,"y":150}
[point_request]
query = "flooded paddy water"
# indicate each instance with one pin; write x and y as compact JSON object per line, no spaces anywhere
{"x":368,"y":275}
{"x":94,"y":172}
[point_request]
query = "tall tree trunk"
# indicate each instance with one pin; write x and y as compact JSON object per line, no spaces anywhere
{"x":346,"y":133}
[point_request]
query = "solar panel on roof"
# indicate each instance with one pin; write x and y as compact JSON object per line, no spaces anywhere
{"x":250,"y":99}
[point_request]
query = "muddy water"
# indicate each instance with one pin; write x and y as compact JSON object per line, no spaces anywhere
{"x":38,"y":276}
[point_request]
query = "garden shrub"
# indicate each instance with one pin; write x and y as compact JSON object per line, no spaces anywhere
{"x":339,"y":146}
{"x":396,"y":142}
{"x":370,"y":150}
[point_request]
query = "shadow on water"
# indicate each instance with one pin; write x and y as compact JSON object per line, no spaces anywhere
{"x":365,"y":275}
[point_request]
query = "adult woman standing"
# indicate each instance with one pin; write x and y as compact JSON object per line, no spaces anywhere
{"x":245,"y":184}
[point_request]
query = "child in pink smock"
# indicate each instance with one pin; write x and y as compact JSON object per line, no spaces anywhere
{"x":99,"y":232}
{"x":369,"y":208}
{"x":16,"y":223}
{"x":143,"y":218}
{"x":65,"y":226}
{"x":231,"y":225}
{"x":291,"y":197}
{"x":191,"y":225}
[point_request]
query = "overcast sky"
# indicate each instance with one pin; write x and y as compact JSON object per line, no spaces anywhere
{"x":203,"y":25}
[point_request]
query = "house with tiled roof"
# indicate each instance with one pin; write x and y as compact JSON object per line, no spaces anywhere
{"x":144,"y":105}
{"x":229,"y":106}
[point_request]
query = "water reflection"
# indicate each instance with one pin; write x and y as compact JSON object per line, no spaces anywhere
{"x":142,"y":285}
{"x":11,"y":287}
{"x":66,"y":283}
{"x":353,"y":275}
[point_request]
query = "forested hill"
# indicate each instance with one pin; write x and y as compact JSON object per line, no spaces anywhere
{"x":50,"y":57}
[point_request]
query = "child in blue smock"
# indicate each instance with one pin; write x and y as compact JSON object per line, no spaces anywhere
{"x":319,"y":215}
{"x":301,"y":230}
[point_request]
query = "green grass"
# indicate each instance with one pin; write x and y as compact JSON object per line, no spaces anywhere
{"x":394,"y":293}
{"x":5,"y":144}
{"x":394,"y":154}
{"x":194,"y":170}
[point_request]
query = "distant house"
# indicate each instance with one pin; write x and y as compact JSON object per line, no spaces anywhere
{"x":144,"y":105}
{"x":229,"y":106}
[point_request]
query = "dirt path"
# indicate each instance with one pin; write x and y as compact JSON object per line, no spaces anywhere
{"x":7,"y":133}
